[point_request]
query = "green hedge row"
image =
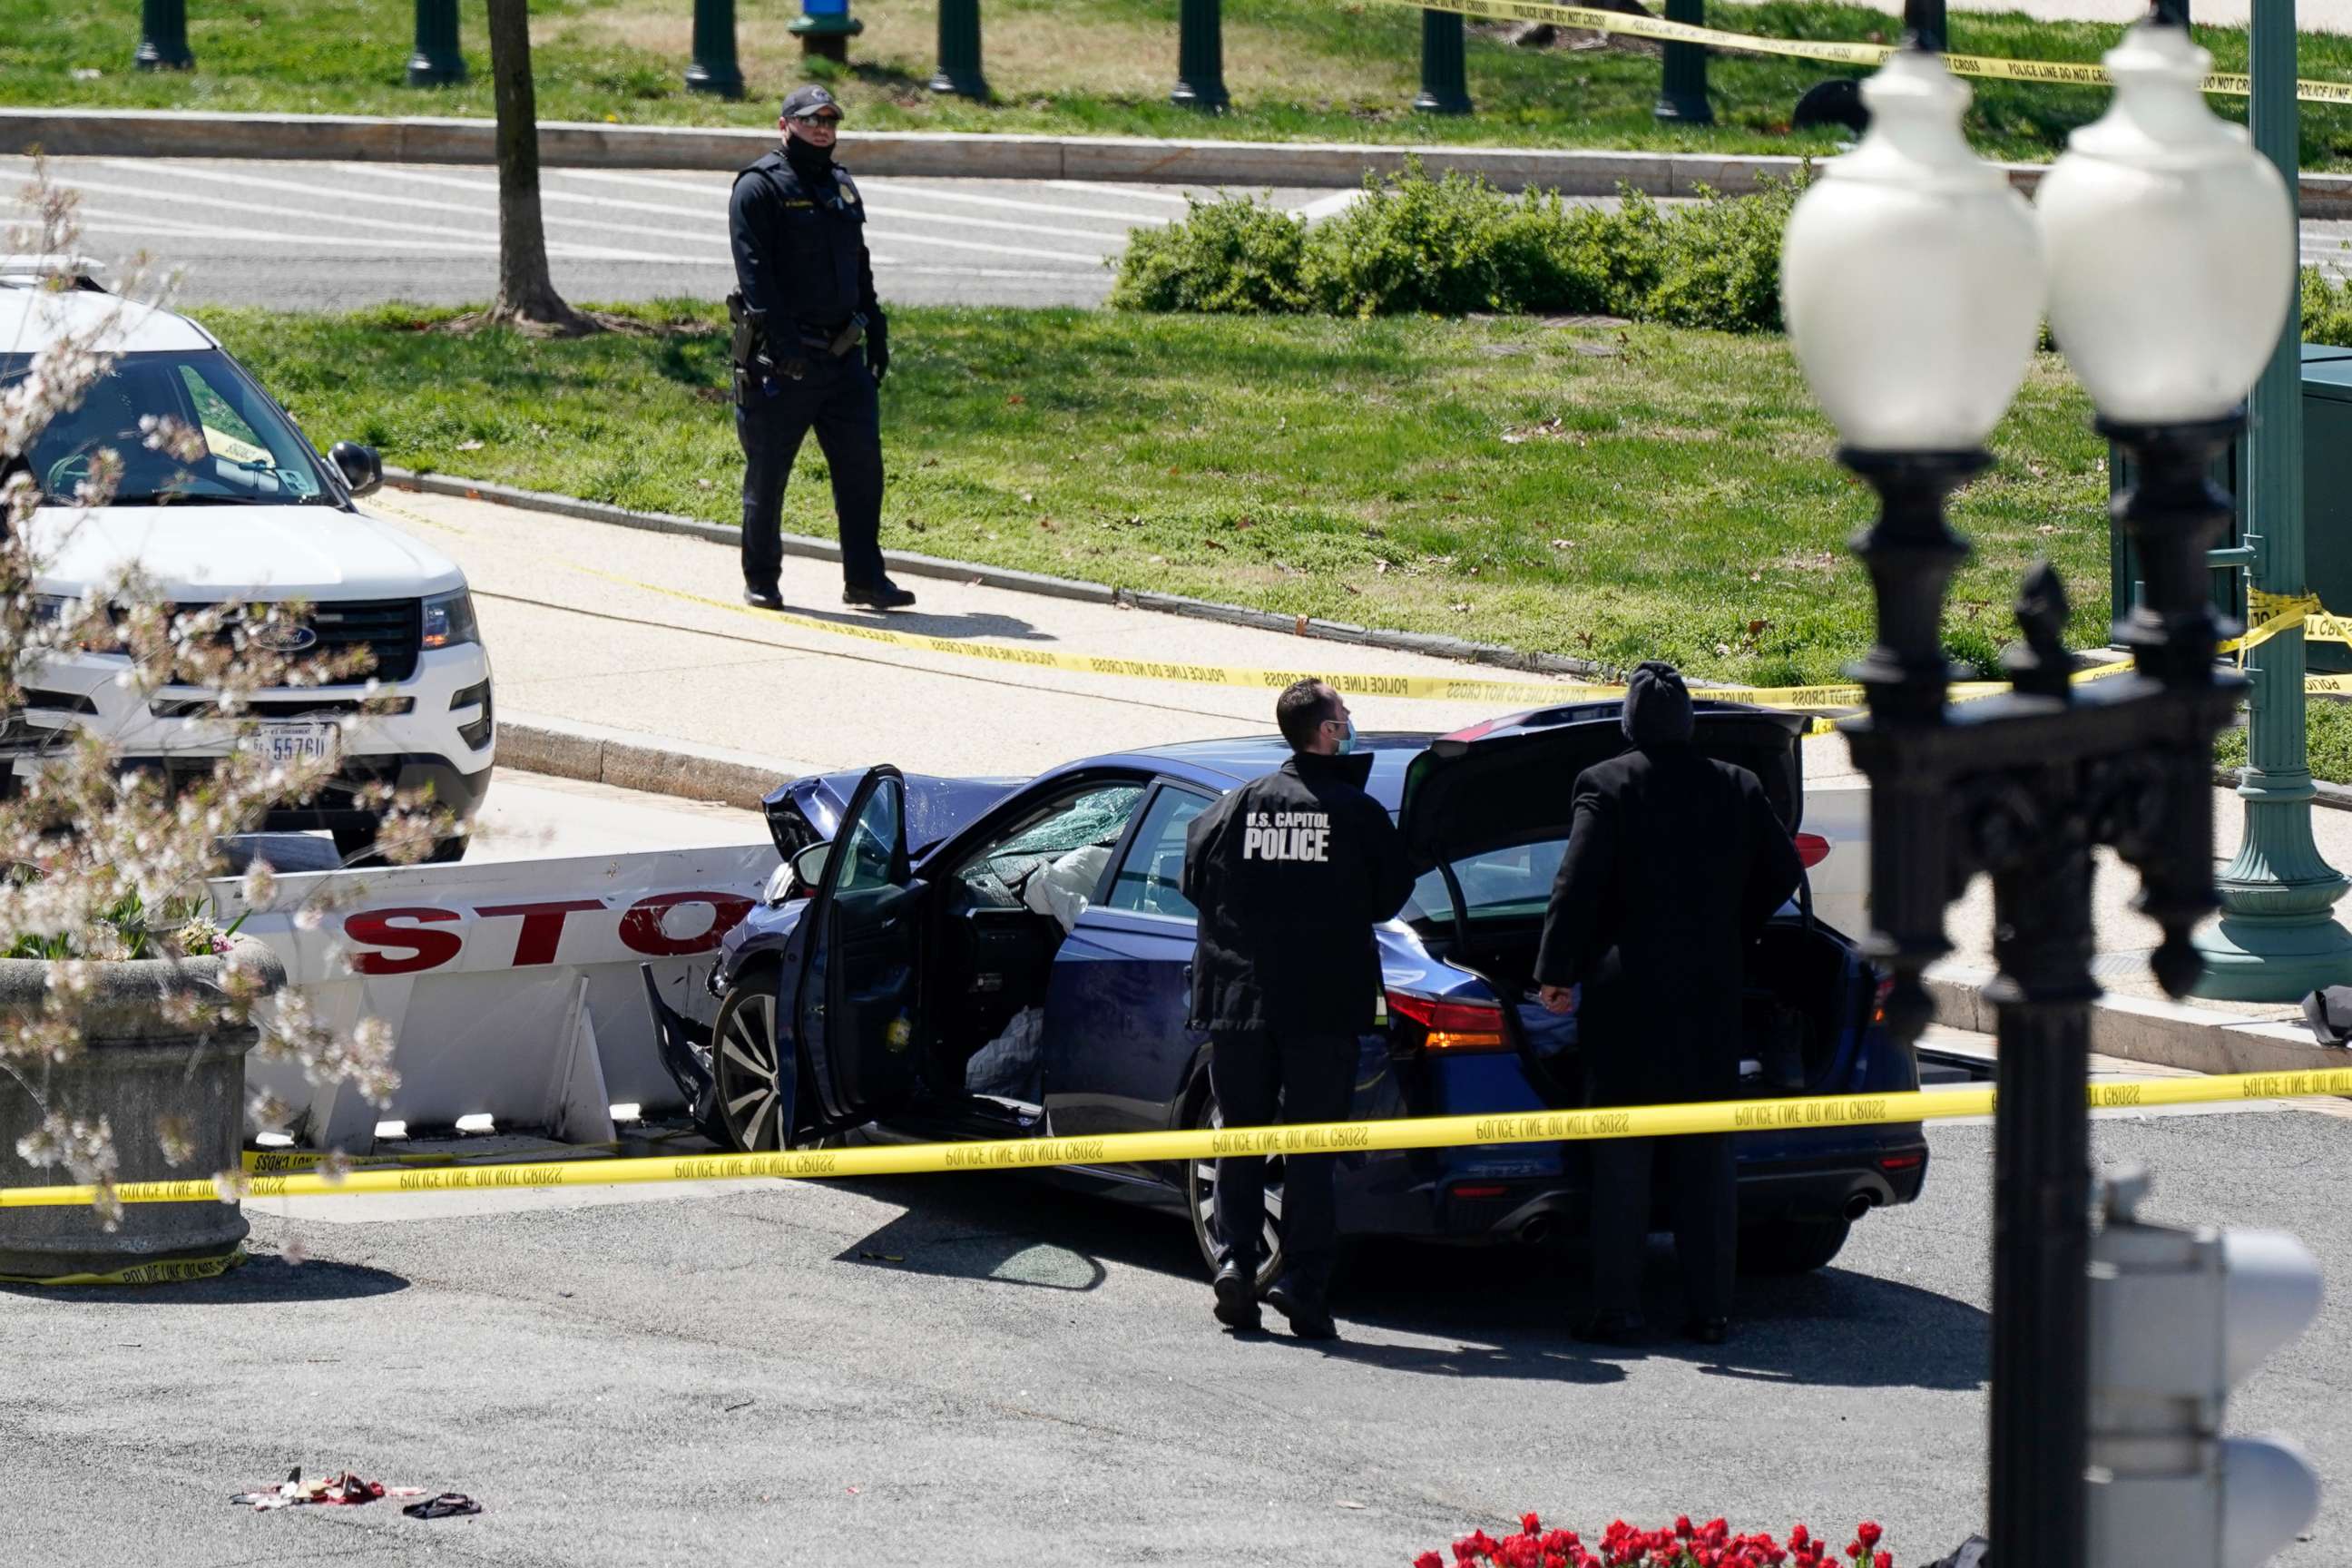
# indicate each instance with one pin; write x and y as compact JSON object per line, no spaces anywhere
{"x":1456,"y":246}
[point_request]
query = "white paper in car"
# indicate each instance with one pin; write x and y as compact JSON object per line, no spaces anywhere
{"x":1060,"y":890}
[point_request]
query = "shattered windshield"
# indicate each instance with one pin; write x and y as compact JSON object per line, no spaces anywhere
{"x":235,"y":447}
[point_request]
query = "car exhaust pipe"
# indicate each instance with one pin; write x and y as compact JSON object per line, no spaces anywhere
{"x":1539,"y":1228}
{"x":1860,"y":1205}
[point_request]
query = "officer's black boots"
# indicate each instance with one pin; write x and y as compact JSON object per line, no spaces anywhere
{"x":1309,"y":1318}
{"x":1236,"y":1298}
{"x":762,"y":598}
{"x":883,"y":595}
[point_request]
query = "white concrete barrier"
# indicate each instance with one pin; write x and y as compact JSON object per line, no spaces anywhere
{"x":512,"y":988}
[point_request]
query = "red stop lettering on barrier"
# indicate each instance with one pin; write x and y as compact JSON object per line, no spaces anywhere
{"x":542,"y":926}
{"x":641,"y":928}
{"x":425,"y":948}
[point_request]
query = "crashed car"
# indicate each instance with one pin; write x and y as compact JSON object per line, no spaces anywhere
{"x":942,"y":959}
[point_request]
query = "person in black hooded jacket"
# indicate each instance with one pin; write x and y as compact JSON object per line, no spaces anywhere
{"x":1674,"y":861}
{"x":1289,"y":872}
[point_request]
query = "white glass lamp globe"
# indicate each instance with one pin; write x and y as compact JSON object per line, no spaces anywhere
{"x":1911,"y":274}
{"x":2171,"y":242}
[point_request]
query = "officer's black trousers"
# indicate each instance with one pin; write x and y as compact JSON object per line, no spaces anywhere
{"x":836,"y":399}
{"x":1261,"y":1078}
{"x":1704,"y":1189}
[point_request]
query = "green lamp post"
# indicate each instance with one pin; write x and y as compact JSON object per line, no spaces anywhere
{"x":1682,"y":86}
{"x":1445,"y":85}
{"x":714,"y":69}
{"x":958,"y":71}
{"x":2278,"y":938}
{"x":825,"y":29}
{"x":164,"y":37}
{"x":1200,"y":57}
{"x":437,"y":60}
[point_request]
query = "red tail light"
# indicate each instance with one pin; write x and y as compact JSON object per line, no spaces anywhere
{"x":1878,"y":1000}
{"x":1451,"y":1026}
{"x":1812,"y":849}
{"x":1902,"y":1162}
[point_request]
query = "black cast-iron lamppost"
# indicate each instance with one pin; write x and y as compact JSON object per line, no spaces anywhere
{"x":1912,"y":282}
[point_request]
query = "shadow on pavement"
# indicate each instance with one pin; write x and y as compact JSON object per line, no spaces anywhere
{"x":925,"y":624}
{"x":263,"y":1280}
{"x":1508,"y":1309}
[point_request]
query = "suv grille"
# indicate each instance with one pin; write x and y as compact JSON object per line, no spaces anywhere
{"x":391,"y":628}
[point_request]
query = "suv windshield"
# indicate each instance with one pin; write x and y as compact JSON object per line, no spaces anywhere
{"x":249,"y":455}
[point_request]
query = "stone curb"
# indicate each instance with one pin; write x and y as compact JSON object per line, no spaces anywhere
{"x":2155,"y":1030}
{"x":913,"y":565}
{"x":183,"y":133}
{"x":648,"y":764}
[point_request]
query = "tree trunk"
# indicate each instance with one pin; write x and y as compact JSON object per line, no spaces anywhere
{"x":527,"y":296}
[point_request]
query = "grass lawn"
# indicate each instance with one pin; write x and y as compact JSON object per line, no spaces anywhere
{"x":2328,"y":736}
{"x":1613,"y":494}
{"x":1320,"y":69}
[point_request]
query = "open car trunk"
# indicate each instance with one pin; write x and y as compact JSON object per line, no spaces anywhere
{"x":1498,"y":799}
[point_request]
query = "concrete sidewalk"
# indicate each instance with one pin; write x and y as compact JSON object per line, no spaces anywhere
{"x":639,"y":638}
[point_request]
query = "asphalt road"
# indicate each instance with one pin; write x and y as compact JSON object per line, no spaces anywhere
{"x":890,"y":1370}
{"x":309,"y":236}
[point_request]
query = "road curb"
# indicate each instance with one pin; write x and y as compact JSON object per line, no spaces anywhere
{"x":2154,"y":1030}
{"x":187,"y":133}
{"x":1433,"y":645}
{"x":648,"y":764}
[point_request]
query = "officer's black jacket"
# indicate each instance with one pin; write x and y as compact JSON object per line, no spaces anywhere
{"x":800,"y":249}
{"x":1674,"y":861}
{"x":1290,"y":872}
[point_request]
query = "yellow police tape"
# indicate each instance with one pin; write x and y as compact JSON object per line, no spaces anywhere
{"x":1808,"y":1113}
{"x":2068,"y":73}
{"x":170,"y":1271}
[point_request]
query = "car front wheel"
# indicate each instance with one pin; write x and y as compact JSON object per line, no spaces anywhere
{"x":1200,"y":1197}
{"x":1790,"y":1246}
{"x":757,"y":1077}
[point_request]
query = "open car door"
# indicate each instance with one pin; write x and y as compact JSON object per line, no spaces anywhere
{"x":854,"y":1009}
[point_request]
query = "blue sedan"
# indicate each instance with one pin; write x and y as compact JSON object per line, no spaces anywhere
{"x":944,"y":959}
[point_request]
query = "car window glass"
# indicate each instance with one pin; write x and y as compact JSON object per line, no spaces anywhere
{"x":873,"y":843}
{"x":1151,"y":879}
{"x":1093,"y":819}
{"x":241,"y":448}
{"x":1496,"y":884}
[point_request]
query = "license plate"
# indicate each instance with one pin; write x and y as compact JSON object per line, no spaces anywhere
{"x":295,"y":742}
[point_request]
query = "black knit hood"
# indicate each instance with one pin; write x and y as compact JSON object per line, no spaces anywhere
{"x":1657,"y":706}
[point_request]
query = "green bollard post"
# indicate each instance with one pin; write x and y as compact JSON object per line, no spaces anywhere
{"x":825,"y":29}
{"x":1444,"y":88}
{"x":437,"y":60}
{"x":164,"y":37}
{"x":1200,"y":57}
{"x":2278,"y":938}
{"x":714,"y":69}
{"x":1682,"y":87}
{"x":958,"y":71}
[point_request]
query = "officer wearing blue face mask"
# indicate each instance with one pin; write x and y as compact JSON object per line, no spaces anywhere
{"x":1289,"y":872}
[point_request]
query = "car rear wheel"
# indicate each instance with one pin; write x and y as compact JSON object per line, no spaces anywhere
{"x":1200,"y":1197}
{"x":757,"y":1078}
{"x":1790,"y":1246}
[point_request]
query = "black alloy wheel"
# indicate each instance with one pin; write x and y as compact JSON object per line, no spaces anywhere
{"x":1200,"y":1197}
{"x":758,"y":1081}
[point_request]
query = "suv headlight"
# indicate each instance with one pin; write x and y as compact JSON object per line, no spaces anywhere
{"x":52,"y":609}
{"x":449,"y":620}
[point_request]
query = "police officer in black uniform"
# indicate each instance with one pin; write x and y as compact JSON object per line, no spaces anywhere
{"x":804,"y":309}
{"x":1289,"y":872}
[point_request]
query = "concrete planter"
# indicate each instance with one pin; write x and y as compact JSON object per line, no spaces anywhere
{"x":134,"y":1067}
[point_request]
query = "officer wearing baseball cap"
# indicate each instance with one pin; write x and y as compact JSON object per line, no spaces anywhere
{"x":809,"y":349}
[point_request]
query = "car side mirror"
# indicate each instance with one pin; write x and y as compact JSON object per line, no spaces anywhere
{"x":808,"y":866}
{"x":363,"y":468}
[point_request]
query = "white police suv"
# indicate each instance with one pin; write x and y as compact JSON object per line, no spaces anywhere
{"x":260,"y":517}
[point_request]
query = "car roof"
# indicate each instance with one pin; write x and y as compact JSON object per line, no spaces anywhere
{"x":1238,"y":759}
{"x":32,"y":318}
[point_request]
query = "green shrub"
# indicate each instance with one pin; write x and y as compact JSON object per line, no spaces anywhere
{"x":1234,"y":256}
{"x":1456,"y":246}
{"x":2326,"y":310}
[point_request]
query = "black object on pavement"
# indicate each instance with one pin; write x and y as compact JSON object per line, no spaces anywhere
{"x":442,"y":1507}
{"x":2329,"y":1014}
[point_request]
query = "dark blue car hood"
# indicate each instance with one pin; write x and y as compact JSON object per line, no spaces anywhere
{"x":808,"y":810}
